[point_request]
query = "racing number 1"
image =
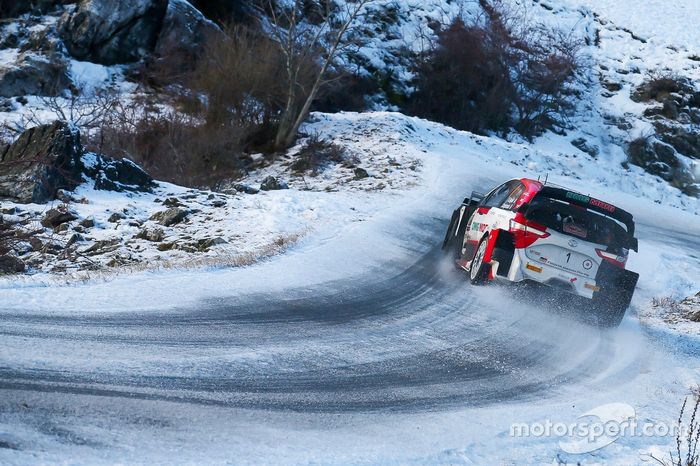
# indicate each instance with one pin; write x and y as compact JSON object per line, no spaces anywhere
{"x":568,"y":257}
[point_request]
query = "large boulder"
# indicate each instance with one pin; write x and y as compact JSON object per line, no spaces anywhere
{"x":112,"y":31}
{"x":43,"y":160}
{"x":34,"y":75}
{"x":116,"y":175}
{"x":170,"y":217}
{"x":182,"y":37}
{"x":56,"y":217}
{"x":50,"y":158}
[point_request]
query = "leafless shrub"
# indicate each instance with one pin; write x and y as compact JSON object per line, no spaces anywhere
{"x":239,"y":82}
{"x":13,"y":234}
{"x":85,"y":110}
{"x":236,"y":93}
{"x":659,"y":84}
{"x":687,"y":438}
{"x":665,"y":302}
{"x":497,"y":73}
{"x":316,"y":154}
{"x":173,"y":147}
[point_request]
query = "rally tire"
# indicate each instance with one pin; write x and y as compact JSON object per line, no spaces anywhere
{"x":479,"y":270}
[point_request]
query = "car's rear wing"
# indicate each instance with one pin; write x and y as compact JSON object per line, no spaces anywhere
{"x":593,"y":204}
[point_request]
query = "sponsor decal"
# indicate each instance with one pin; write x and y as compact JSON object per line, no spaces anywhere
{"x":589,"y":200}
{"x":577,"y":197}
{"x":587,"y":264}
{"x":573,"y":229}
{"x":603,"y":205}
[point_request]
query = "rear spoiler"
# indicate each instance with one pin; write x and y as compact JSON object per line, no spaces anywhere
{"x":593,"y":204}
{"x":475,"y":198}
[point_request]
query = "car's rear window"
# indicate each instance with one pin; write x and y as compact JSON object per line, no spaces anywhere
{"x":578,"y":222}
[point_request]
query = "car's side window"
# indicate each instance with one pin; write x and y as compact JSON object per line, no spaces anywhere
{"x":513,"y":197}
{"x":496,"y":198}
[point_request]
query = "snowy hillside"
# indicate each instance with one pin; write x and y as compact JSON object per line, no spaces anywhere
{"x":228,"y":300}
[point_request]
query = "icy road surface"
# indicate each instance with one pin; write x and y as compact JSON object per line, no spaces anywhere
{"x":404,"y":362}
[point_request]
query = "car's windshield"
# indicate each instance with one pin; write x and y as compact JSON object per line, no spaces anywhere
{"x":578,"y":222}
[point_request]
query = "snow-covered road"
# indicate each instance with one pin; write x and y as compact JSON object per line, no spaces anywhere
{"x":401,"y":363}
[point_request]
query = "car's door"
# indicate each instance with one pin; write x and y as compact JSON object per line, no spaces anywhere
{"x":484,"y":216}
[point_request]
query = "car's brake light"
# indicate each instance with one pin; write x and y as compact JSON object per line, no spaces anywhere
{"x":525,"y":232}
{"x":614,"y":259}
{"x":528,"y":228}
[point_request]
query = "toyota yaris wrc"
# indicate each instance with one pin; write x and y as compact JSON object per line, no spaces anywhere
{"x":528,"y":230}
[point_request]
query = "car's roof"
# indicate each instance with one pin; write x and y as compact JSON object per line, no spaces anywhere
{"x":560,"y":192}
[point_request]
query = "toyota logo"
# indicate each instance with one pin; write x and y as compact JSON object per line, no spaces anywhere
{"x":573,"y":243}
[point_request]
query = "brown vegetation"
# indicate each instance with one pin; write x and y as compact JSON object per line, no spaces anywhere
{"x":496,"y":74}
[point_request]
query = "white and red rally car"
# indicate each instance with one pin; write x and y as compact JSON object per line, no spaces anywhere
{"x":527,"y":230}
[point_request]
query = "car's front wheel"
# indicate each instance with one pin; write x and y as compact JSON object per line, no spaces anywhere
{"x":479,"y":270}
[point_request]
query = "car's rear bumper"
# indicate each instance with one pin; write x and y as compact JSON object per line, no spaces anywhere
{"x":523,"y":268}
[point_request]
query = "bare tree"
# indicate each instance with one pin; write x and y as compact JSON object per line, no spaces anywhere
{"x":85,"y":110}
{"x":309,"y":52}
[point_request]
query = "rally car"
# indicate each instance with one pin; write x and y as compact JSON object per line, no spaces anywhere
{"x":529,"y":230}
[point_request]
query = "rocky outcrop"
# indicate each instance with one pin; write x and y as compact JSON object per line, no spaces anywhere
{"x":10,"y":265}
{"x":34,"y":75}
{"x":182,"y":36}
{"x":675,"y":116}
{"x":662,"y":160}
{"x":43,"y":160}
{"x":112,"y":31}
{"x":50,"y":158}
{"x":170,"y":217}
{"x":57,"y":217}
{"x":584,"y":146}
{"x":273,"y":184}
{"x":116,"y":175}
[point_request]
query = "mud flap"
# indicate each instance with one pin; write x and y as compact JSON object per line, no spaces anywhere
{"x":503,"y":252}
{"x":616,"y":289}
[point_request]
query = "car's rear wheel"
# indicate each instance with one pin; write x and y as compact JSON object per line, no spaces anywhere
{"x":479,"y":271}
